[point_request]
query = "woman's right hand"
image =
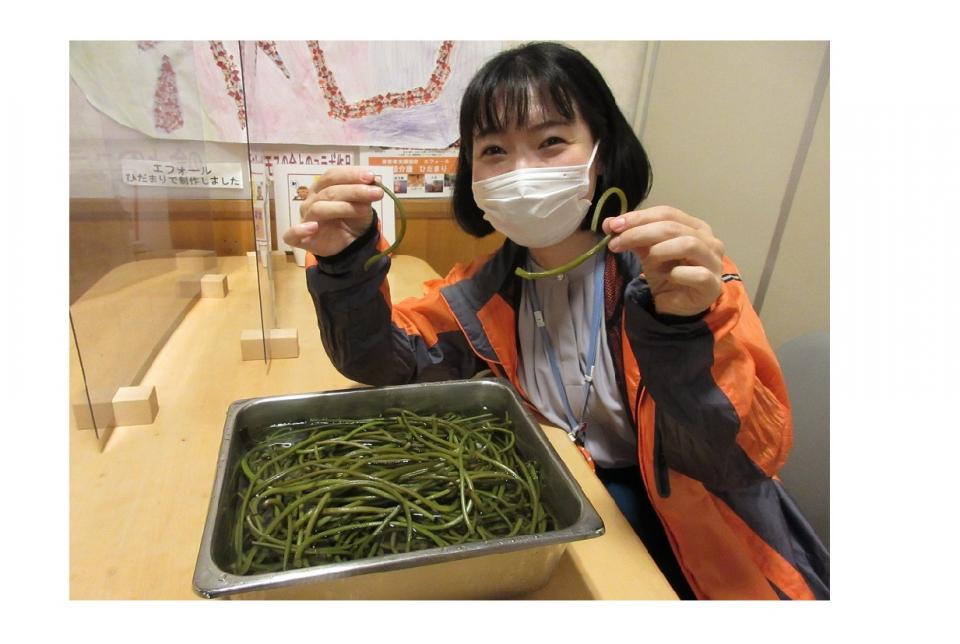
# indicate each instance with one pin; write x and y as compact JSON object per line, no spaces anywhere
{"x":335,"y":213}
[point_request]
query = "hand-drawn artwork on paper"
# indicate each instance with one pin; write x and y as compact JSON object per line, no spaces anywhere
{"x":231,"y":79}
{"x":339,"y":109}
{"x":269,"y":47}
{"x":393,"y":94}
{"x":182,"y":90}
{"x":359,"y":93}
{"x":166,"y":100}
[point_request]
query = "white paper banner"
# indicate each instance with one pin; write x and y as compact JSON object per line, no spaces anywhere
{"x":176,"y":174}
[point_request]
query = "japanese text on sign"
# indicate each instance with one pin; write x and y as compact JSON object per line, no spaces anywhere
{"x":177,"y":174}
{"x":272,"y":159}
{"x":418,"y":165}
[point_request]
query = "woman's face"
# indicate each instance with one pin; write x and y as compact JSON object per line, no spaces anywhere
{"x":547,"y":140}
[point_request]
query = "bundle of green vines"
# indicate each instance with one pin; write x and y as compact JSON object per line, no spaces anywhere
{"x":334,"y":490}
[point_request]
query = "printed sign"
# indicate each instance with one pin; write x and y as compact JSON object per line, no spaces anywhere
{"x":417,"y":173}
{"x":271,"y":158}
{"x":177,"y":174}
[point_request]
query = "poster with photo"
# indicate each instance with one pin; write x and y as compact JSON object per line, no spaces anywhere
{"x":293,"y":183}
{"x":417,"y":174}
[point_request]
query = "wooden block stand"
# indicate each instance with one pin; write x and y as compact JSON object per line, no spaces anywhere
{"x":135,"y":405}
{"x":214,"y":285}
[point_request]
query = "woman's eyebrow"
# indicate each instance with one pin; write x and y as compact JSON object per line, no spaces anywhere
{"x":550,"y":123}
{"x":489,"y":131}
{"x":554,"y":122}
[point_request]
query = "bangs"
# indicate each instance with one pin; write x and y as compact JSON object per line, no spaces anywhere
{"x":519,"y":96}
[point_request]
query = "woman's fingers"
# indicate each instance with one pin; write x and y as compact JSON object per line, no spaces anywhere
{"x":639,"y":238}
{"x":686,"y":249}
{"x":697,"y":277}
{"x":688,"y":290}
{"x":650,"y":215}
{"x":339,"y":176}
{"x":298,"y":234}
{"x":340,"y":201}
{"x":641,"y":229}
{"x":354,"y":193}
{"x":327,"y":211}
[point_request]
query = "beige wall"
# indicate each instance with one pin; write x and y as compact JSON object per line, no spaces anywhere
{"x":798,"y":298}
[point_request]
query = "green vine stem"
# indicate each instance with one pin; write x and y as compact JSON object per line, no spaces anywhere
{"x":569,"y":266}
{"x":403,"y":227}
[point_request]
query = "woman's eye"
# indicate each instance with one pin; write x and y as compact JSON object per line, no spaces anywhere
{"x":553,"y":140}
{"x":491,"y":150}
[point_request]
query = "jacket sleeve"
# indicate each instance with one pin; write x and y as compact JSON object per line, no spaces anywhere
{"x":374,"y":342}
{"x":722,"y":412}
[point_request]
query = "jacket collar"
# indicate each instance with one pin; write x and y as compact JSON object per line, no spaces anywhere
{"x":484,"y":303}
{"x":472,"y":302}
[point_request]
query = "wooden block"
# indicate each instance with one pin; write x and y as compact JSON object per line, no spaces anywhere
{"x":213,"y":285}
{"x":251,"y":344}
{"x":135,"y":405}
{"x":284,"y":343}
{"x":196,"y":261}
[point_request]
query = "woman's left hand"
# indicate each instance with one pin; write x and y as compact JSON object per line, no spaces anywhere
{"x":681,"y":258}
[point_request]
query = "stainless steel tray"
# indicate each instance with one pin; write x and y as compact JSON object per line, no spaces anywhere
{"x":494,"y":568}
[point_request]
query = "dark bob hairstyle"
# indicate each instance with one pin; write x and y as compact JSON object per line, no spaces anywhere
{"x":561,"y":77}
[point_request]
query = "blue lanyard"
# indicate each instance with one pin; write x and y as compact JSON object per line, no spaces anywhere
{"x":576,"y":427}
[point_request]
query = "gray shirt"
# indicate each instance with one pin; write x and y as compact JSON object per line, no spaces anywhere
{"x":568,"y":302}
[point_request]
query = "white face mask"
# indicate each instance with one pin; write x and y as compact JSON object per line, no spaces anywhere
{"x":536,"y":207}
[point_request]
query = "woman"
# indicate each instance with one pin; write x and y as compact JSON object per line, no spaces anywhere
{"x":649,"y":353}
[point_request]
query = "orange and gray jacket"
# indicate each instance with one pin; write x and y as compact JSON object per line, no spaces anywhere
{"x":706,"y":395}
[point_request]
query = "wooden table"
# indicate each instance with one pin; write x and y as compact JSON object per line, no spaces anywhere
{"x":137,"y":508}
